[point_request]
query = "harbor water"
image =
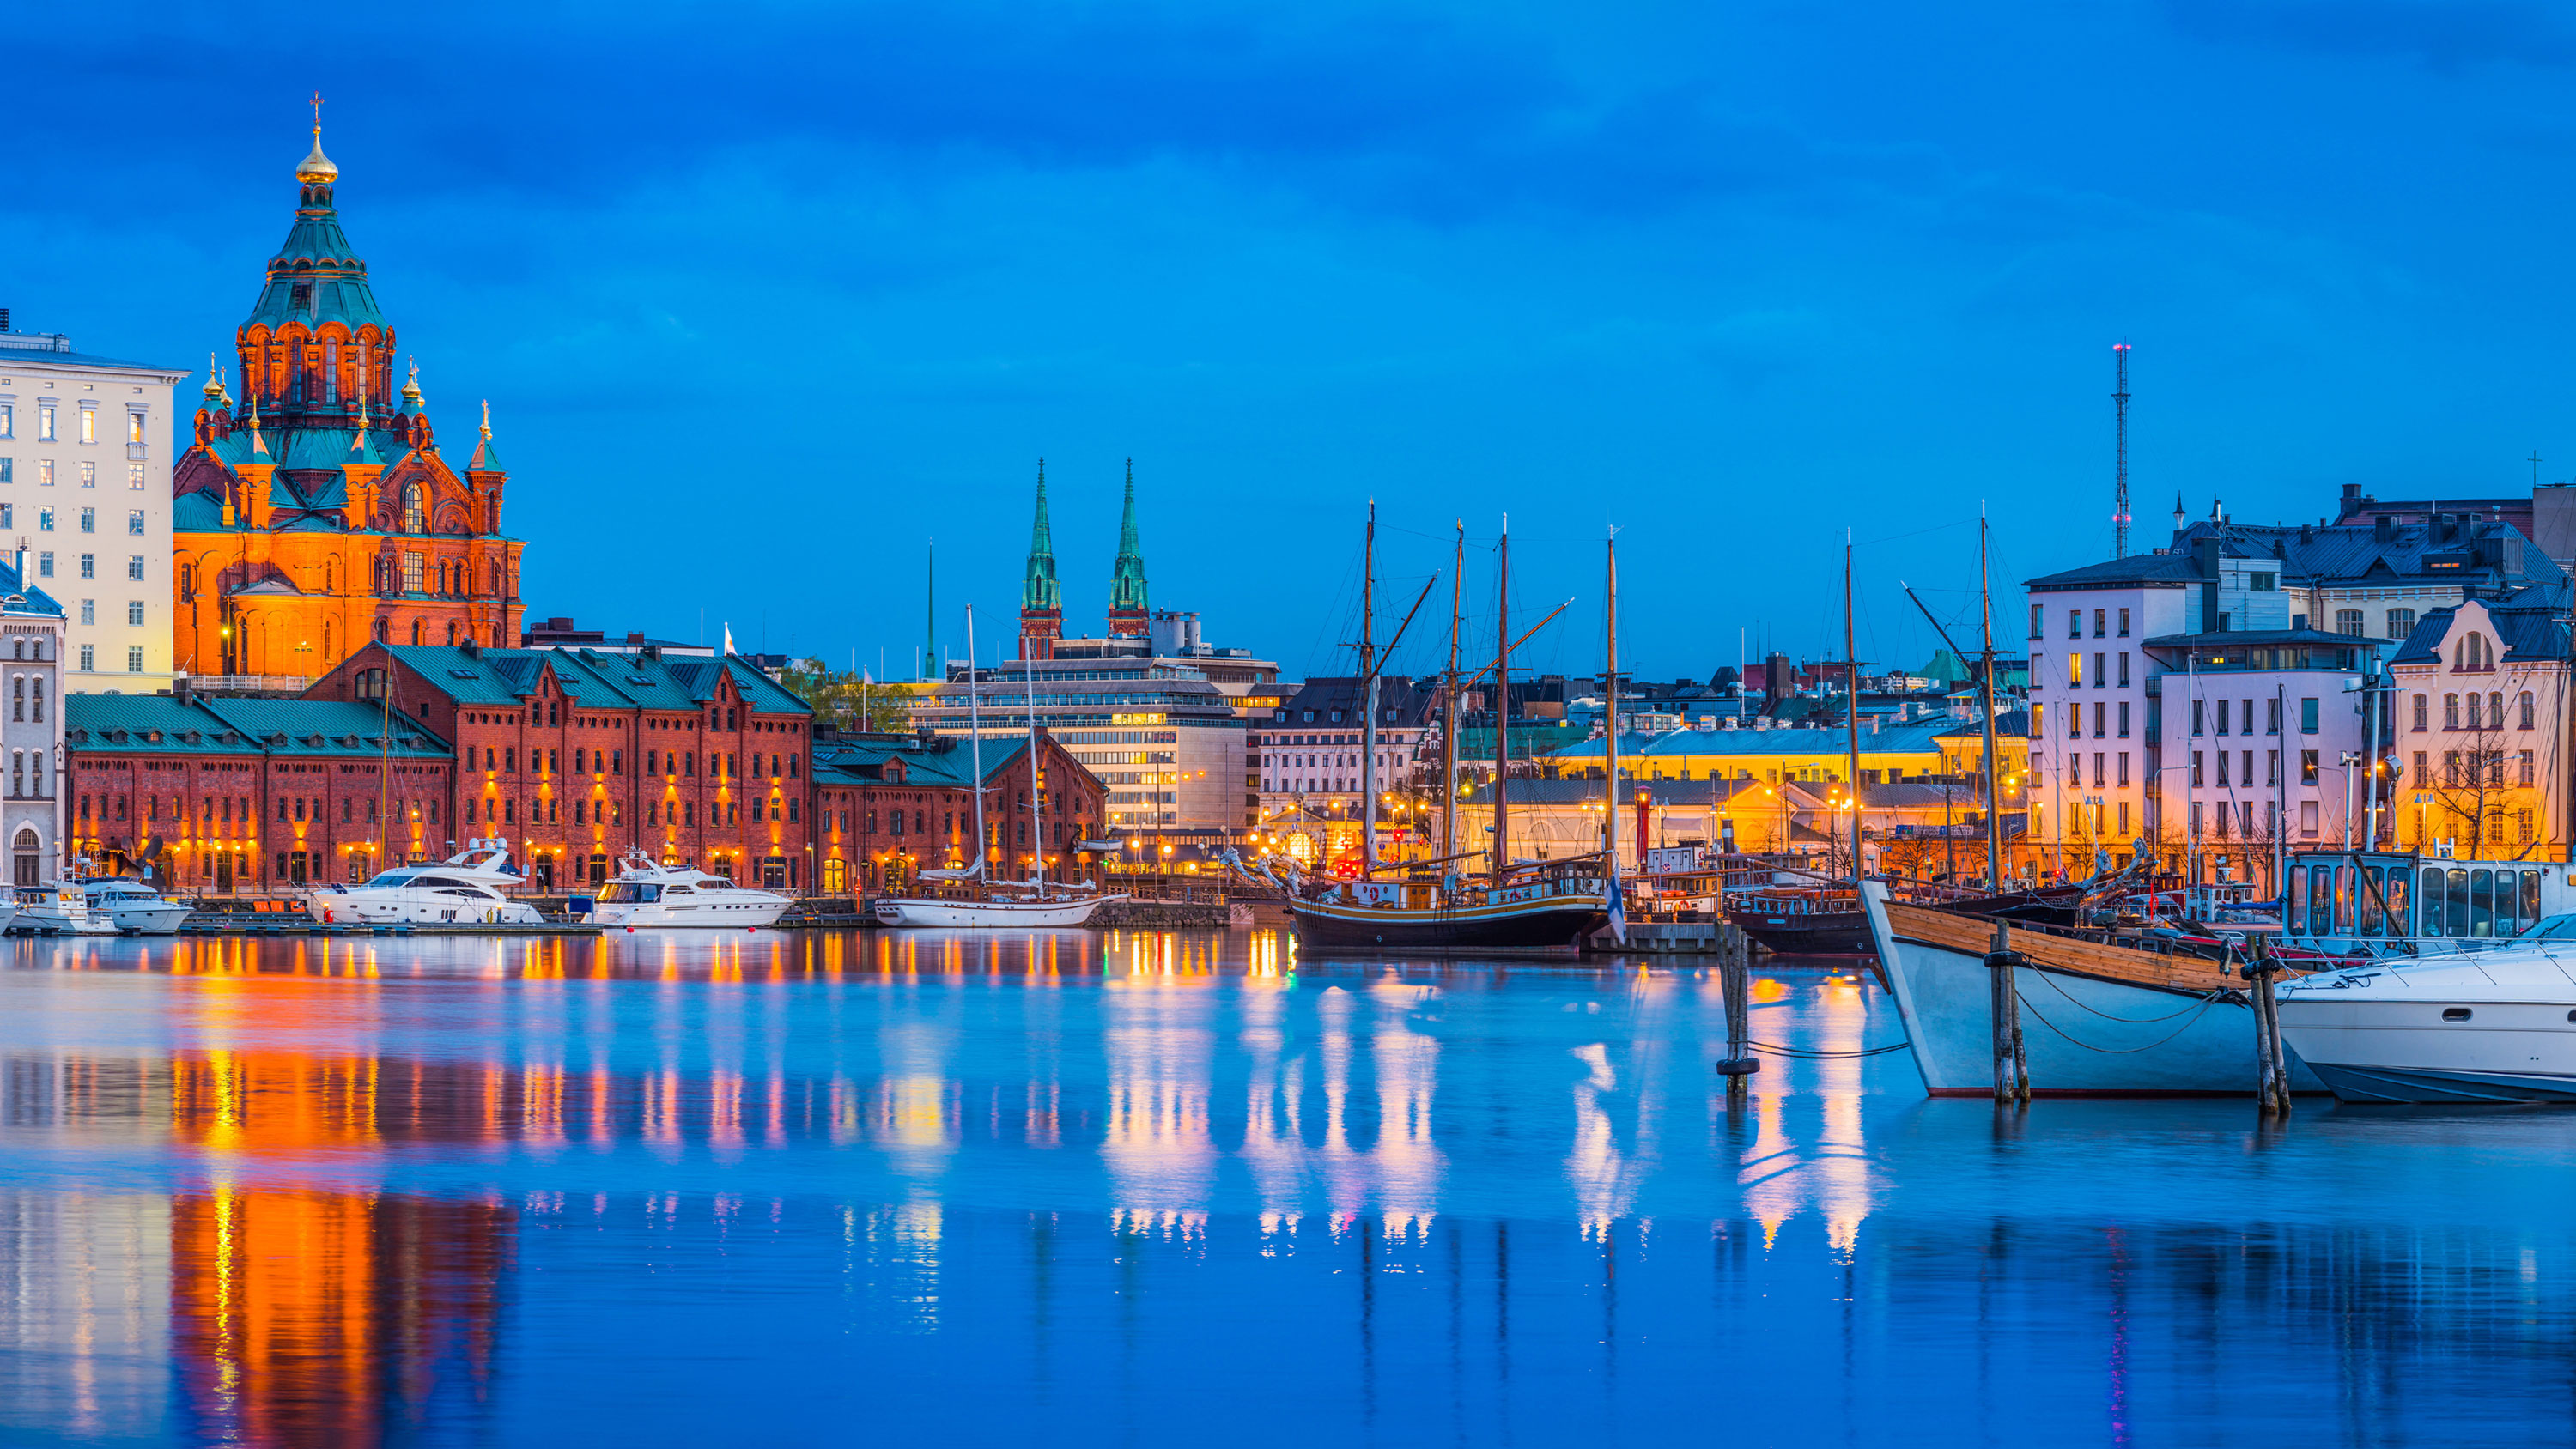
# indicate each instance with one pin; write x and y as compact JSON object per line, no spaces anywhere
{"x":1147,"y":1189}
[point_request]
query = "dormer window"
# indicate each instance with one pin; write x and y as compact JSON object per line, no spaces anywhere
{"x":301,"y":295}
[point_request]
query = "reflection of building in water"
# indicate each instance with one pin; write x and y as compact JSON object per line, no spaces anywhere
{"x":1159,"y":1033}
{"x":332,"y":1318}
{"x":1823,"y":1169}
{"x":84,"y":1314}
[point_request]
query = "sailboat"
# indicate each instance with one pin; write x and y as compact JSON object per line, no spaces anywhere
{"x":963,"y":897}
{"x":1515,"y":908}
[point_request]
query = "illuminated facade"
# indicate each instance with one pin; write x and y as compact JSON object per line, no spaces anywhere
{"x":227,"y":795}
{"x":319,"y":512}
{"x":886,"y":806}
{"x":85,"y":487}
{"x":576,"y":756}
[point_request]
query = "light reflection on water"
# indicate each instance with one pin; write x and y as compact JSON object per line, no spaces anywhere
{"x":653,"y":1188}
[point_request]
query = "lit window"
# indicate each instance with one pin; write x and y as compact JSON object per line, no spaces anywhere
{"x":45,"y":424}
{"x":412,"y":568}
{"x":8,"y":420}
{"x":134,"y":611}
{"x":44,"y":472}
{"x":134,"y":427}
{"x":89,"y":470}
{"x":89,"y":425}
{"x":415,"y":515}
{"x":134,"y":566}
{"x":134,"y":476}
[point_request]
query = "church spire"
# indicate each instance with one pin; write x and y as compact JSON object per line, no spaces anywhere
{"x":1041,"y":597}
{"x":1127,"y":608}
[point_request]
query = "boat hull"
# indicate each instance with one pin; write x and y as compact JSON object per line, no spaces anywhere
{"x":717,"y":914}
{"x":1835,"y":933}
{"x":1555,"y":926}
{"x":421,"y":907}
{"x":2096,"y":1020}
{"x":903,"y":913}
{"x":144,"y":918}
{"x":2402,"y":1051}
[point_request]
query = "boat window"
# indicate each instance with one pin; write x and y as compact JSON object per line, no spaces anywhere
{"x":393,"y":878}
{"x":2531,"y":895}
{"x":2482,"y":903}
{"x":679,"y":890}
{"x":2455,"y":911}
{"x":2457,"y":1013}
{"x":2431,"y":903}
{"x":2398,"y":878}
{"x":2365,"y":904}
{"x":2555,"y":928}
{"x":2508,"y":895}
{"x":2321,"y":899}
{"x":2297,"y":924}
{"x":2343,"y":897}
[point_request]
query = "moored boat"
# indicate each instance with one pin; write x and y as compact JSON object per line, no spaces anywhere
{"x":646,"y":893}
{"x":56,"y":908}
{"x":989,"y":911}
{"x":2098,"y":1018}
{"x":2496,"y":1025}
{"x":134,"y":907}
{"x":468,"y":888}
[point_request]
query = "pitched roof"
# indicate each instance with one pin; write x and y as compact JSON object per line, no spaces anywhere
{"x":606,"y":680}
{"x":2527,"y":635}
{"x":162,"y":724}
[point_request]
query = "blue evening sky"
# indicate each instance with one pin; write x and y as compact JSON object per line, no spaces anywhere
{"x":764,"y":296}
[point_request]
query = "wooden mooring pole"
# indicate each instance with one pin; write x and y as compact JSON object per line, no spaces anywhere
{"x":2003,"y":1005}
{"x":2271,"y":1063}
{"x":1735,"y":978}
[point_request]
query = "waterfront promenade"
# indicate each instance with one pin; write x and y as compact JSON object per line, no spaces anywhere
{"x":1127,"y":1188}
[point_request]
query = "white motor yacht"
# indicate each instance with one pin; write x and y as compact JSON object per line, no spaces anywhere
{"x":468,"y":888}
{"x":133,"y":906}
{"x":648,"y":894}
{"x":2497,"y":1025}
{"x":57,"y":909}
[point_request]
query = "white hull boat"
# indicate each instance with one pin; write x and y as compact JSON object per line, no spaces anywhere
{"x":466,"y":889}
{"x":648,"y":895}
{"x":2495,"y":1026}
{"x":2096,"y":1020}
{"x":133,"y":908}
{"x":1032,"y":913}
{"x":57,"y":910}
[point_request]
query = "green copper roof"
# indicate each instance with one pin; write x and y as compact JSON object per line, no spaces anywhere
{"x":1127,"y":577}
{"x":1039,"y":589}
{"x":316,"y":255}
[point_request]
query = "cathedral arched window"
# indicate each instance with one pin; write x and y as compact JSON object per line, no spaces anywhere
{"x":415,"y":509}
{"x":415,"y":631}
{"x":451,"y":632}
{"x":383,"y":630}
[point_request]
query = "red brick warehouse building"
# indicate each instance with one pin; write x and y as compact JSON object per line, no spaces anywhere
{"x":224,"y":795}
{"x":575,"y":756}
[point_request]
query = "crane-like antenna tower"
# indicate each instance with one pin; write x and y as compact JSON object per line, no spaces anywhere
{"x":2120,"y":465}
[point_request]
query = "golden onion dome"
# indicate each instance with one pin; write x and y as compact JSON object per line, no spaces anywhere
{"x":317,"y":168}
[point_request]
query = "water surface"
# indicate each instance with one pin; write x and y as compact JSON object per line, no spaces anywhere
{"x":1162,"y":1188}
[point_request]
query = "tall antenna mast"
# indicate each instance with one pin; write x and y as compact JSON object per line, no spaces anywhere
{"x":2120,"y":465}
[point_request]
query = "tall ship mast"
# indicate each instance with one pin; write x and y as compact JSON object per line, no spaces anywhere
{"x":1545,"y":908}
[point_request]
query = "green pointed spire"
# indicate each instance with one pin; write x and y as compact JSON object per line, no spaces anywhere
{"x":1038,"y":589}
{"x":1127,"y":578}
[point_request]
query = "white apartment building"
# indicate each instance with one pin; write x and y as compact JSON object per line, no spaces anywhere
{"x":1311,"y":750}
{"x":2177,"y":701}
{"x":85,"y":452}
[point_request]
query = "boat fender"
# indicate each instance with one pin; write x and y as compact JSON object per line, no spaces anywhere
{"x":1738,"y":1066}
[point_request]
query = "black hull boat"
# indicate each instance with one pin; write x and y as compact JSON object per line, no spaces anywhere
{"x":1832,"y":923}
{"x":1555,"y":926}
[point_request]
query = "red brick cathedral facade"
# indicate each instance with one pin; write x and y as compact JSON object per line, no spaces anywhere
{"x":319,"y":511}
